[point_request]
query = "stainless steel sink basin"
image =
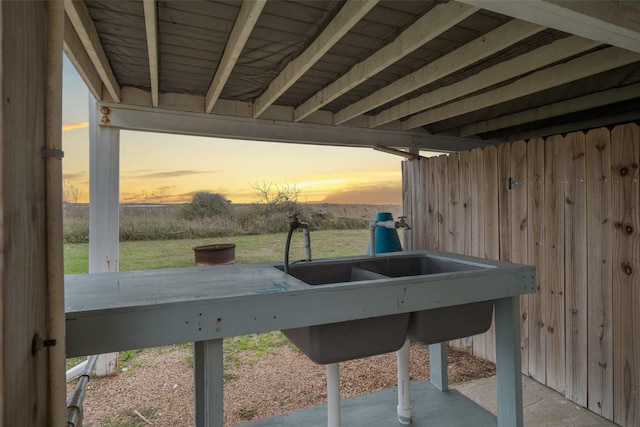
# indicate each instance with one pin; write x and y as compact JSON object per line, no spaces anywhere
{"x":336,"y":342}
{"x":353,"y":339}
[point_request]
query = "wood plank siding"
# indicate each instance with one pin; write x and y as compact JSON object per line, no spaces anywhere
{"x":573,"y":211}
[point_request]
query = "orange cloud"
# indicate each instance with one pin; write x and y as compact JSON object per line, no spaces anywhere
{"x":72,"y":126}
{"x":388,"y":193}
{"x":170,"y":174}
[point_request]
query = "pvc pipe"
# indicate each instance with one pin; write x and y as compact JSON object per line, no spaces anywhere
{"x":53,"y":196}
{"x":391,"y":224}
{"x":74,"y":404}
{"x":286,"y":250}
{"x":372,"y":238}
{"x":404,"y":396}
{"x":333,"y":395}
{"x":307,"y":241}
{"x":75,"y":371}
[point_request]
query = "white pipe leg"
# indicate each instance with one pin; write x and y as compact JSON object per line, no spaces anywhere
{"x":333,"y":395}
{"x":404,"y":397}
{"x":76,"y":370}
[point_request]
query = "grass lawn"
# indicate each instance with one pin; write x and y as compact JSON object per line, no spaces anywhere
{"x":149,"y":255}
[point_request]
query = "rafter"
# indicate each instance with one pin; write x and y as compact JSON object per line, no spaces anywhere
{"x":85,"y":28}
{"x":581,"y":67}
{"x":573,"y":105}
{"x":429,"y":26}
{"x":151,"y":28}
{"x":78,"y":56}
{"x":349,"y":15}
{"x":545,"y":55}
{"x":472,"y":52}
{"x":580,"y":125}
{"x":609,"y":22}
{"x":247,"y":18}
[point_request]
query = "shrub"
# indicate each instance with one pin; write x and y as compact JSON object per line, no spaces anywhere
{"x":206,"y":205}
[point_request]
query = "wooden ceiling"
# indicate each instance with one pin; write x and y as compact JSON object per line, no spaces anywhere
{"x":414,"y":74}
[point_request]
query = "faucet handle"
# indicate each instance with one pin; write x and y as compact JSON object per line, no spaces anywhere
{"x":403,"y":223}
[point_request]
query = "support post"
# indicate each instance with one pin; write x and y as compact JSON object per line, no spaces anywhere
{"x":208,"y":382}
{"x":508,"y":376}
{"x":333,"y":395}
{"x":104,"y":193}
{"x":404,"y":383}
{"x":438,"y":366}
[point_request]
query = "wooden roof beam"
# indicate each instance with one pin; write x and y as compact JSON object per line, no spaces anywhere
{"x":429,"y":26}
{"x":609,"y":22}
{"x":78,"y":56}
{"x":80,"y":18}
{"x":579,"y":68}
{"x":520,"y":65}
{"x":472,"y":52}
{"x":246,"y":20}
{"x":573,"y":105}
{"x":151,"y":28}
{"x":349,"y":15}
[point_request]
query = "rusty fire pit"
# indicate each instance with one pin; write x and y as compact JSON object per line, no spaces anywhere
{"x":222,"y":253}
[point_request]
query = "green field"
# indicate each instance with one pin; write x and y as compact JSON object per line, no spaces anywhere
{"x":149,"y":255}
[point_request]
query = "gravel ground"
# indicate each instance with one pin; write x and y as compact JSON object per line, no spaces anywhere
{"x":156,"y":386}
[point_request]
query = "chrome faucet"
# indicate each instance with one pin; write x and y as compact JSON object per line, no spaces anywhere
{"x":294,"y":224}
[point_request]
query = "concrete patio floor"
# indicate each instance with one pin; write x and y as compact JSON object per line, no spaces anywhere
{"x":471,"y":403}
{"x":542,"y":406}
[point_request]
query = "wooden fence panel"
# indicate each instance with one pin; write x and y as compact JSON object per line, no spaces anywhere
{"x":518,"y":221}
{"x":553,"y":261}
{"x":575,"y":281}
{"x":466,"y":209}
{"x":536,"y":215}
{"x":453,"y":238}
{"x":504,"y":201}
{"x":599,"y":294}
{"x":577,"y":220}
{"x":625,"y":158}
{"x":465,"y":201}
{"x":476,"y":176}
{"x":407,"y":200}
{"x":417,"y":201}
{"x":442,"y":182}
{"x":454,"y":235}
{"x":477,"y":202}
{"x":431,"y":218}
{"x":484,"y":345}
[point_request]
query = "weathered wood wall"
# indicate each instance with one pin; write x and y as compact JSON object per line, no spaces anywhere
{"x":576,"y":217}
{"x":24,"y":377}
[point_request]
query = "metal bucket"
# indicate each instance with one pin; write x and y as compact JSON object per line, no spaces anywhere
{"x":217,"y":254}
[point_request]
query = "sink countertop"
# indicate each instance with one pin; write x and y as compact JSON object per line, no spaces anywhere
{"x":118,"y":311}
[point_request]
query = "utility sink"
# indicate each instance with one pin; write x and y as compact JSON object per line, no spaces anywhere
{"x":337,"y":342}
{"x":352,"y":339}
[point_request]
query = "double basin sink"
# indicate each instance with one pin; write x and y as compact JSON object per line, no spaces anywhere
{"x":353,"y":339}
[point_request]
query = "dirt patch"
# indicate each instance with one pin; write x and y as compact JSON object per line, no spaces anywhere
{"x":157,"y":385}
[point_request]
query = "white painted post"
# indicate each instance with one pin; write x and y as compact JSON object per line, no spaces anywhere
{"x":104,"y":192}
{"x":208,"y":383}
{"x":333,"y":395}
{"x":508,"y":374}
{"x":404,"y":383}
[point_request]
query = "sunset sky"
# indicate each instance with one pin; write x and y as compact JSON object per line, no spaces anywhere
{"x":162,"y":168}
